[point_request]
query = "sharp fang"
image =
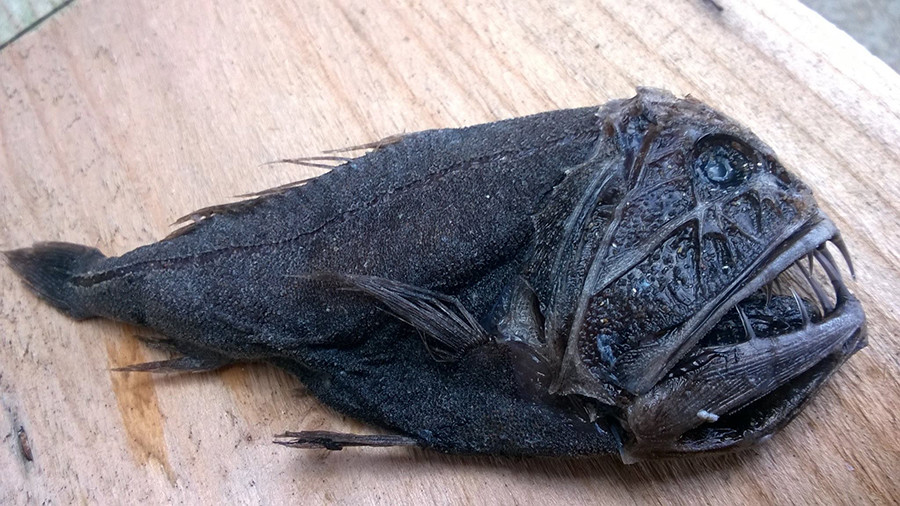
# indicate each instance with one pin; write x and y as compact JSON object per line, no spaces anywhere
{"x":840,"y":289}
{"x":827,"y":254}
{"x":817,"y":288}
{"x":803,"y":312}
{"x":746,"y":322}
{"x":838,"y":241}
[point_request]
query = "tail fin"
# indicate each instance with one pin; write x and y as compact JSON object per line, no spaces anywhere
{"x":48,"y":268}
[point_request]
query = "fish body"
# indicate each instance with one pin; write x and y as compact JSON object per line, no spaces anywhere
{"x":575,"y":282}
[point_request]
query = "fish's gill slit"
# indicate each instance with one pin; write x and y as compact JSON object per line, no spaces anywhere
{"x":574,"y":222}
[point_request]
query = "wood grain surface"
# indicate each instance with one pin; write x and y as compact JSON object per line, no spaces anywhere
{"x":116,"y":118}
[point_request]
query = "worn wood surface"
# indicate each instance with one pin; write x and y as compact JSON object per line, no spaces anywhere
{"x":118,"y":117}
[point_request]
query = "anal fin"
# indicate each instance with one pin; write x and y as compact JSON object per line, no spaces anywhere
{"x":180,"y":364}
{"x":335,"y":441}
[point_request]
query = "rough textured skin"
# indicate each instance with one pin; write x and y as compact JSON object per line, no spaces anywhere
{"x":537,"y":286}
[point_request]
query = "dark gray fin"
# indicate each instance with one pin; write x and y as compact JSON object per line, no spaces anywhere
{"x":314,"y":161}
{"x":48,"y":269}
{"x":448,"y":329}
{"x":335,"y":441}
{"x":190,"y":221}
{"x":375,"y":146}
{"x":277,"y":189}
{"x":206,"y":212}
{"x":250,"y":200}
{"x":180,"y":364}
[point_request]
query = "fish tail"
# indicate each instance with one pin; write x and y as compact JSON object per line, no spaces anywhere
{"x":48,"y":268}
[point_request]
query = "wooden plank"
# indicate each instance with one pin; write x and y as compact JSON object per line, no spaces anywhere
{"x":116,"y":118}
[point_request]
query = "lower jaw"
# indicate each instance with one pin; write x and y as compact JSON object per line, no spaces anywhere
{"x":761,"y":415}
{"x":753,"y":424}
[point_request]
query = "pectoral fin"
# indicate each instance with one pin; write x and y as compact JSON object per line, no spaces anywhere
{"x":448,"y":329}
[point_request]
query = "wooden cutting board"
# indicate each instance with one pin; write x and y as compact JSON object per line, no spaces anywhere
{"x":116,"y":118}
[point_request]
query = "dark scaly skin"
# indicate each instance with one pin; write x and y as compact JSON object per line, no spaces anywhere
{"x":519,"y":230}
{"x":230,"y":284}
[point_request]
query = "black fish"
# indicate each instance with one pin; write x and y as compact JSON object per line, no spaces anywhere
{"x":641,"y":278}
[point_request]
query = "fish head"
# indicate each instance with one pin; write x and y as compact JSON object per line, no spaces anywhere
{"x":710,"y":306}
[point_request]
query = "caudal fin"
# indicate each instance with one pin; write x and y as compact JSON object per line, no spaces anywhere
{"x":48,"y":268}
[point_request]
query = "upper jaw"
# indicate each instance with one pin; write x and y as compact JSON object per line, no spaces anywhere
{"x":797,"y":243}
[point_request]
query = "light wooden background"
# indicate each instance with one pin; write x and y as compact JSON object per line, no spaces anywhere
{"x":118,"y":117}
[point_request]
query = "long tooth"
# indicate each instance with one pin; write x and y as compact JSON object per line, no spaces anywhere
{"x":840,"y":289}
{"x":746,"y":322}
{"x":823,"y":253}
{"x":838,"y":241}
{"x":803,"y":312}
{"x":817,"y":288}
{"x":827,"y":254}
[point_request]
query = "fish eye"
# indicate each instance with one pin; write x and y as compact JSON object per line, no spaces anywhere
{"x":723,"y":159}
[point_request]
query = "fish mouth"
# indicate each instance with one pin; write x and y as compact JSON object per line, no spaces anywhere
{"x":767,"y":345}
{"x":771,"y":271}
{"x":805,"y":271}
{"x":794,"y":271}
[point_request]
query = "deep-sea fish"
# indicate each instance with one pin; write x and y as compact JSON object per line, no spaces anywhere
{"x":642,"y":278}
